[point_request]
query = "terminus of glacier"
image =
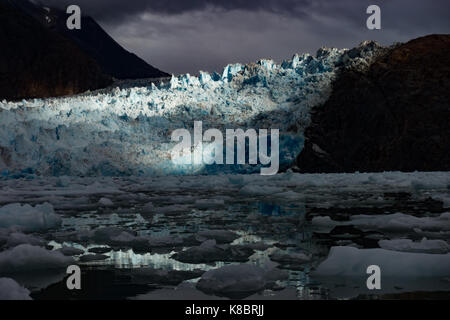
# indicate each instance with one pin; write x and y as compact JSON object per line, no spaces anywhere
{"x":126,"y":131}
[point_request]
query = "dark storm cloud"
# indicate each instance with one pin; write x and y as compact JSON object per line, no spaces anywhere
{"x":117,"y":9}
{"x":181,"y":36}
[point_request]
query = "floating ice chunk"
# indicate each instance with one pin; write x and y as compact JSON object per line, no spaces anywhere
{"x":233,"y":280}
{"x":26,"y":258}
{"x":107,"y":234}
{"x":353,"y":262}
{"x":165,"y":277}
{"x":397,"y":222}
{"x":291,"y":258}
{"x":186,"y":290}
{"x":106,"y":202}
{"x":70,"y":251}
{"x":240,"y":281}
{"x":444,"y":197}
{"x":164,"y":241}
{"x":401,"y":222}
{"x":289,"y":195}
{"x":13,"y":239}
{"x":28,"y":218}
{"x":424,"y":246}
{"x":173,"y":209}
{"x":11,"y":290}
{"x":63,"y":181}
{"x":210,"y":251}
{"x":221,"y":236}
{"x":324,"y":222}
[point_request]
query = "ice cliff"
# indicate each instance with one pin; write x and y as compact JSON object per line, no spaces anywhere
{"x":126,"y":129}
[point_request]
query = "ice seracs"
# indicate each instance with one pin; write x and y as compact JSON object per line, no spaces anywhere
{"x":125,"y":130}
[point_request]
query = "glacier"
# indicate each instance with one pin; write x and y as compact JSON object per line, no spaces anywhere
{"x":125,"y":129}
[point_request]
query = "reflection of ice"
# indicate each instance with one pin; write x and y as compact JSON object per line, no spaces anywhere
{"x":267,"y":214}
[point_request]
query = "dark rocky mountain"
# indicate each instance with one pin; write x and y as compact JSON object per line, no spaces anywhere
{"x":113,"y":59}
{"x":40,"y":57}
{"x":38,"y":62}
{"x":392,"y":116}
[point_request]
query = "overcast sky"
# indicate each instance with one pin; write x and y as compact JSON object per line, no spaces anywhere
{"x":180,"y":36}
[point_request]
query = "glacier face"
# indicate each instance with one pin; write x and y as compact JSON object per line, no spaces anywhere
{"x":126,"y":130}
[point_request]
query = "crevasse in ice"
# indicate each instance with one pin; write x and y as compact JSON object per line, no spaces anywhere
{"x":126,"y":129}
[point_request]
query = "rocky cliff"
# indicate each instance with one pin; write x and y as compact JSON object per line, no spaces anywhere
{"x":393,"y":115}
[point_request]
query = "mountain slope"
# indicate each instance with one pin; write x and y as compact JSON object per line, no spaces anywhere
{"x":113,"y":59}
{"x":37,"y":62}
{"x":392,"y":116}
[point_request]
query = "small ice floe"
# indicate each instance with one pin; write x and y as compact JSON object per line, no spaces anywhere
{"x":12,"y":239}
{"x":397,"y":222}
{"x":424,"y":246}
{"x":209,"y":252}
{"x":119,"y":237}
{"x":70,"y":251}
{"x":289,"y":195}
{"x":173,"y":209}
{"x":353,"y":262}
{"x":162,"y":277}
{"x":221,"y":236}
{"x":100,"y":250}
{"x":11,"y":290}
{"x":105,"y":202}
{"x":185,"y":290}
{"x":164,"y":241}
{"x":289,"y":258}
{"x":238,"y":281}
{"x":63,"y":181}
{"x":432,"y":234}
{"x":26,"y":258}
{"x":324,"y":223}
{"x":27,"y":218}
{"x":444,"y":197}
{"x":400,"y":222}
{"x":108,"y":235}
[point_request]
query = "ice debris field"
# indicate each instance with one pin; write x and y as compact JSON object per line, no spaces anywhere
{"x":290,"y":236}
